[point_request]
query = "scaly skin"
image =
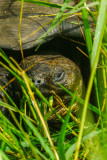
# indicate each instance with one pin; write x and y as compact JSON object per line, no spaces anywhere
{"x":46,"y":70}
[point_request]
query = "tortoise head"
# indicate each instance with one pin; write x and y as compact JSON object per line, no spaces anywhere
{"x":46,"y":71}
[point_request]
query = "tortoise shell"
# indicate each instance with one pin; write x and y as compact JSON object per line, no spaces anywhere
{"x":36,"y":20}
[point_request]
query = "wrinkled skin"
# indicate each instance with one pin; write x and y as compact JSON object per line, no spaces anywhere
{"x":46,"y":70}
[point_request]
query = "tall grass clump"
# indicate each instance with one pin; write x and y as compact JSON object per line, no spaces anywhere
{"x":24,"y":130}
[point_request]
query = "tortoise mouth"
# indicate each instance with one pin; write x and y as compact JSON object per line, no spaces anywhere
{"x":46,"y":92}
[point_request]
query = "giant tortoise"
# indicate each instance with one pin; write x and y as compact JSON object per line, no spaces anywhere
{"x":58,"y":36}
{"x":32,"y":31}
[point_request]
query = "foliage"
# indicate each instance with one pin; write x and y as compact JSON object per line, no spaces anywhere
{"x":27,"y":135}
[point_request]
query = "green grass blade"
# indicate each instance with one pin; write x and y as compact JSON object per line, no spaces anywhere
{"x":63,"y":129}
{"x":6,"y":105}
{"x":3,"y":156}
{"x":89,"y":47}
{"x":94,"y":61}
{"x":71,"y":149}
{"x":90,"y":106}
{"x":44,"y":3}
{"x":99,"y":34}
{"x":87,"y":31}
{"x":37,"y":134}
{"x":9,"y":98}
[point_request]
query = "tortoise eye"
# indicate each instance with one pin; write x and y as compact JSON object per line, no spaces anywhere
{"x":59,"y":76}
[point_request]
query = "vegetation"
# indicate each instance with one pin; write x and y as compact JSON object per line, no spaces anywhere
{"x":29,"y":136}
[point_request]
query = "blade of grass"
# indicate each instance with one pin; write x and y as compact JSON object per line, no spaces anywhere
{"x":11,"y":144}
{"x":37,"y":134}
{"x":24,"y":134}
{"x":90,"y":106}
{"x":89,"y":47}
{"x":9,"y":98}
{"x":6,"y":105}
{"x":63,"y":129}
{"x":94,"y":61}
{"x":30,"y":104}
{"x":87,"y":31}
{"x":44,"y":3}
{"x":3,"y":155}
{"x":72,"y":148}
{"x":40,"y":115}
{"x":6,"y":120}
{"x":57,"y":22}
{"x":3,"y":55}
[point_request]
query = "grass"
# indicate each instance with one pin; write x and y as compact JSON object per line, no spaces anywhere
{"x":27,"y":135}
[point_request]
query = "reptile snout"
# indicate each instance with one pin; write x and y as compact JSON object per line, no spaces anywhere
{"x":38,"y":81}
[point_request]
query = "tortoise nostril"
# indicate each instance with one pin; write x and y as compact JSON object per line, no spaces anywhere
{"x":38,"y":81}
